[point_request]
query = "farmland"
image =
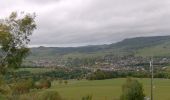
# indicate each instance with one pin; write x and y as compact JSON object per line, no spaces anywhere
{"x":106,"y":89}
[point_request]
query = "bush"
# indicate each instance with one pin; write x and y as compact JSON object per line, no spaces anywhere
{"x":88,"y":97}
{"x":132,"y":90}
{"x":29,"y":97}
{"x":22,"y":86}
{"x":38,"y":85}
{"x":66,"y":82}
{"x":51,"y":95}
{"x":46,"y":84}
{"x":48,"y":95}
{"x":42,"y":84}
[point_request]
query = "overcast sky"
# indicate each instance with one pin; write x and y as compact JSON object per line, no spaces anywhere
{"x":91,"y":22}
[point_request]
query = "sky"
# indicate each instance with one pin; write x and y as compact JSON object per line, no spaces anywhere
{"x":65,"y":23}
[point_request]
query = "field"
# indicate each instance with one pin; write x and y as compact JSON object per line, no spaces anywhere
{"x":107,"y":89}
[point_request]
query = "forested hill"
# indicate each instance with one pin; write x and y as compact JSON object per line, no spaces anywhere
{"x":139,"y":46}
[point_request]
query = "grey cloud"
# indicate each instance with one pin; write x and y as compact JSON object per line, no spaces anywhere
{"x":41,"y":1}
{"x":87,"y":22}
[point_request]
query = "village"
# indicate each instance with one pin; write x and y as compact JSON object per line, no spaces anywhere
{"x":105,"y":63}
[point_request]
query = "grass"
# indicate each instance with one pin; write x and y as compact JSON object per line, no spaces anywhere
{"x":159,"y":50}
{"x":102,"y":89}
{"x":107,"y":89}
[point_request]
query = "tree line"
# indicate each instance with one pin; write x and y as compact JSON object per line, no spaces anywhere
{"x":100,"y":75}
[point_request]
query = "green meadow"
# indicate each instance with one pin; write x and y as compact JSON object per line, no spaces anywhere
{"x":107,"y":89}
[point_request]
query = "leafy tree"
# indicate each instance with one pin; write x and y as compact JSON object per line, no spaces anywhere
{"x":132,"y":90}
{"x":14,"y":37}
{"x":98,"y":75}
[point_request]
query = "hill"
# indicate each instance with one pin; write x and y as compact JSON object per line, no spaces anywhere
{"x":139,"y":46}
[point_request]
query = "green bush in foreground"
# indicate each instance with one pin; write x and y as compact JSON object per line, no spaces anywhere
{"x":50,"y":95}
{"x":42,"y":84}
{"x":29,"y":97}
{"x":132,"y":90}
{"x":22,"y":86}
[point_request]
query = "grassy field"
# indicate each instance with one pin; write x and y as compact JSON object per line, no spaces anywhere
{"x":107,"y":89}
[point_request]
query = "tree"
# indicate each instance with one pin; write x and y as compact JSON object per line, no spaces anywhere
{"x":14,"y":38}
{"x":132,"y":90}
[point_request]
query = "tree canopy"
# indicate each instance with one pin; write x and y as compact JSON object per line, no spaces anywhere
{"x":14,"y":38}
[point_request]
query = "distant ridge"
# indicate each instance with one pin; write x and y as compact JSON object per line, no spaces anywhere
{"x":139,"y":46}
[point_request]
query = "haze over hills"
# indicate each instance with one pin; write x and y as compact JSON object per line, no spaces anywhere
{"x":139,"y":46}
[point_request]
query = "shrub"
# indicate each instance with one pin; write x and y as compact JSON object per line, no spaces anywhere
{"x":50,"y":95}
{"x":88,"y":97}
{"x":22,"y":86}
{"x":46,"y":84}
{"x":42,"y":84}
{"x":66,"y":82}
{"x":29,"y":97}
{"x":38,"y":85}
{"x":132,"y":90}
